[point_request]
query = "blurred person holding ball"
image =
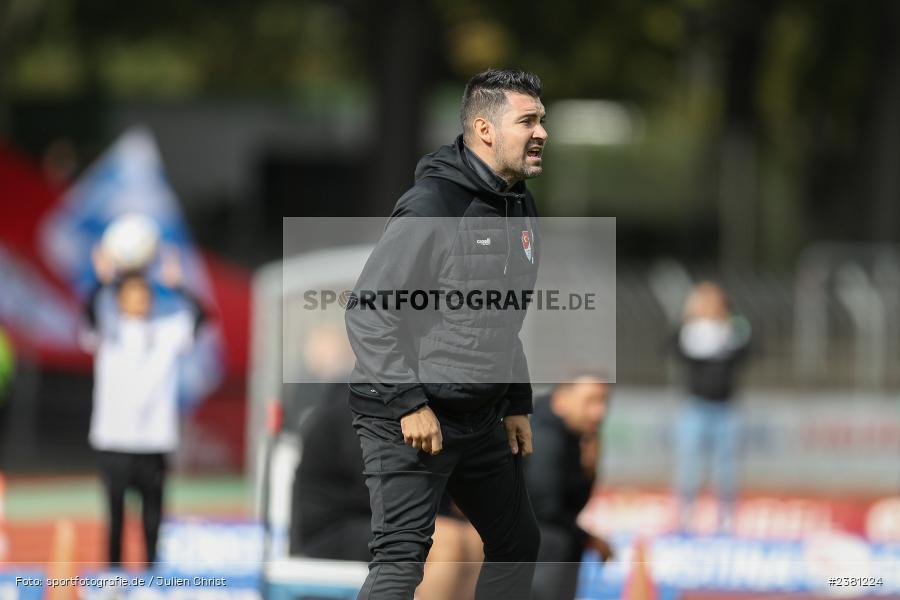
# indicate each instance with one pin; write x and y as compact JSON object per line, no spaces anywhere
{"x":134,"y":422}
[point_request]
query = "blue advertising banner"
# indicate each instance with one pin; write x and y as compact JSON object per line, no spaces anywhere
{"x":163,"y":585}
{"x":21,"y":585}
{"x":828,"y":564}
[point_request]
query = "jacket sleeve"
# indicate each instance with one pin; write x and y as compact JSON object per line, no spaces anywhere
{"x":519,"y":393}
{"x":407,"y":257}
{"x":194,"y":305}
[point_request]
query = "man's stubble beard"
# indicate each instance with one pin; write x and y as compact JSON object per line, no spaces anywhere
{"x":532,"y":172}
{"x":514,"y":173}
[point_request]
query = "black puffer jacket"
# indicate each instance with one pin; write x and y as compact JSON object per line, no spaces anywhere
{"x":452,"y":231}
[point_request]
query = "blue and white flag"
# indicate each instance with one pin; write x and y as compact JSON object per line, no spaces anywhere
{"x":34,"y":308}
{"x":130,"y":178}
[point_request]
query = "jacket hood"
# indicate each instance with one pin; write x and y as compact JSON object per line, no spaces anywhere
{"x":451,"y":163}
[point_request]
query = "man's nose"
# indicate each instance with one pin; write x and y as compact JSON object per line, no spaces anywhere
{"x":541,"y":133}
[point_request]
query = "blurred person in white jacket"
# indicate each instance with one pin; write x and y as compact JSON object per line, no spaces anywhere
{"x":134,"y":422}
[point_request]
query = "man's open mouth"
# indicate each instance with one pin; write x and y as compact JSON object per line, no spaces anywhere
{"x":535,"y":152}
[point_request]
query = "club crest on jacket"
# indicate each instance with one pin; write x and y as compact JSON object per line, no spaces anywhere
{"x":526,"y":245}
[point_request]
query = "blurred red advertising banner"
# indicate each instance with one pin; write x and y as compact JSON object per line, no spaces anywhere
{"x":612,"y":512}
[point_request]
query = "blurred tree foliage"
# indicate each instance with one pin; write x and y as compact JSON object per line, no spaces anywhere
{"x":790,"y":110}
{"x":172,"y":48}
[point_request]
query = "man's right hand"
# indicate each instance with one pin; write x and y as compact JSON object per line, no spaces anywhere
{"x":422,"y":431}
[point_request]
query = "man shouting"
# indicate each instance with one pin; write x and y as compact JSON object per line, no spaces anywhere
{"x":440,"y":390}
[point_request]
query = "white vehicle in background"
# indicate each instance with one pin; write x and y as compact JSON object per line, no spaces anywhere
{"x":282,"y":323}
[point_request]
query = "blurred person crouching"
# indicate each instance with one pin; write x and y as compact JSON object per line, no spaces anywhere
{"x":712,"y":343}
{"x":134,"y":422}
{"x":560,"y":477}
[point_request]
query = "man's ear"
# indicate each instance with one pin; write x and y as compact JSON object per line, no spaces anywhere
{"x":483,"y":130}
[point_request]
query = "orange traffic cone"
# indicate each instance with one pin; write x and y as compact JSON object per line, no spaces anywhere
{"x":62,"y":562}
{"x":639,"y":585}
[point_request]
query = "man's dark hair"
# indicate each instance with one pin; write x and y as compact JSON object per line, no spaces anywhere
{"x":485,"y":94}
{"x":597,"y":374}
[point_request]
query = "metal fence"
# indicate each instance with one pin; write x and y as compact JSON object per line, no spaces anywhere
{"x":833,"y":323}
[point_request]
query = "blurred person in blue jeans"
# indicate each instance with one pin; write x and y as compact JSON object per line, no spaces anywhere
{"x":560,"y":478}
{"x":711,"y":344}
{"x":134,"y":421}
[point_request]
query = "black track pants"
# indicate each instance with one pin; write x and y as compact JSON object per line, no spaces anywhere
{"x":482,"y":476}
{"x":146,"y":473}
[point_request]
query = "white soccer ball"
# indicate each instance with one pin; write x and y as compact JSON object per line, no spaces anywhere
{"x":131,"y":241}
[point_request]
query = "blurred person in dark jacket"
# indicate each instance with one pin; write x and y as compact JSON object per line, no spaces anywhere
{"x":711,"y":344}
{"x":331,"y":518}
{"x":560,"y":478}
{"x":134,"y":421}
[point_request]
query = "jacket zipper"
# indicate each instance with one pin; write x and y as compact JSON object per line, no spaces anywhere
{"x":506,"y":218}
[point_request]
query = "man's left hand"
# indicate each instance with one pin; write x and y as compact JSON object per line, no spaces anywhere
{"x":518,"y":432}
